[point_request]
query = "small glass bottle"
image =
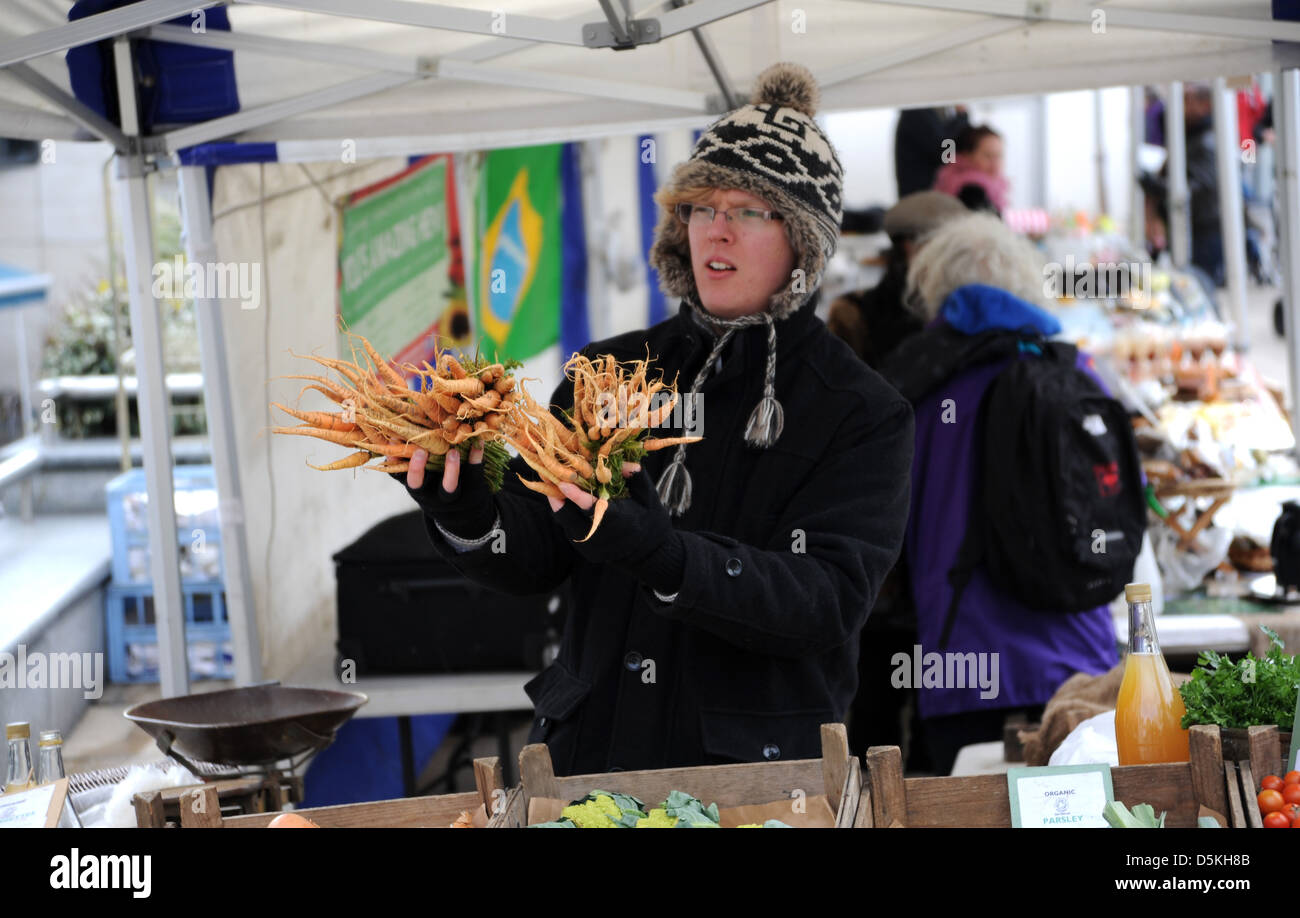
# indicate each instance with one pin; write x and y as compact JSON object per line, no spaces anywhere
{"x":1149,"y":712}
{"x":19,"y":776}
{"x":49,"y":762}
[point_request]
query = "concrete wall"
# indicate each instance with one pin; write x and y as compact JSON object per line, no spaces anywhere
{"x":52,"y":221}
{"x":77,"y":629}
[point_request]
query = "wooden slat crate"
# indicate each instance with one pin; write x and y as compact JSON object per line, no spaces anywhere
{"x":836,"y":774}
{"x":1242,"y":776}
{"x":982,"y":801}
{"x":253,"y":794}
{"x":199,"y":807}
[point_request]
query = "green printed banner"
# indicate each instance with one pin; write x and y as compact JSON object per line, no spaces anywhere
{"x":397,"y":280}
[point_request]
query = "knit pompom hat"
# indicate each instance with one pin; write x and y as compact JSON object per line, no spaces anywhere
{"x":773,"y":149}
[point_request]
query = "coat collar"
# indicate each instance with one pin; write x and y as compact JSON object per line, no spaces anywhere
{"x":790,"y":331}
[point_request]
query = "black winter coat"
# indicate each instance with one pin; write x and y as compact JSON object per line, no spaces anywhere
{"x":785,"y":551}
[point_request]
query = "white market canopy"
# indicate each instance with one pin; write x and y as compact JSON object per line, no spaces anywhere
{"x":405,"y":77}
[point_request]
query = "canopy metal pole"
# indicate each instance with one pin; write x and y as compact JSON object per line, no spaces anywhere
{"x":1137,"y":100}
{"x":1179,"y":229}
{"x":25,"y":401}
{"x":1286,"y":121}
{"x":196,"y":216}
{"x":1099,"y":152}
{"x":151,"y":394}
{"x":1232,"y":215}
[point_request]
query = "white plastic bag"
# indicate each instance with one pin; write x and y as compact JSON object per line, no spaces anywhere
{"x":1090,"y":743}
{"x":1184,"y":570}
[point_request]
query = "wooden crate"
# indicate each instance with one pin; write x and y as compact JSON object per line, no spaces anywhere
{"x":982,"y":801}
{"x":1264,"y":756}
{"x":252,"y":794}
{"x":200,"y":808}
{"x":836,"y":774}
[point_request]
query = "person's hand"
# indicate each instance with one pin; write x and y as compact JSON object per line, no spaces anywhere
{"x":580,"y":497}
{"x":460,"y":503}
{"x":450,"y":468}
{"x":636,"y":532}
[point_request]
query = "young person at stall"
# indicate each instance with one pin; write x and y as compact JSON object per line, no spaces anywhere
{"x":716,"y":614}
{"x":975,"y":277}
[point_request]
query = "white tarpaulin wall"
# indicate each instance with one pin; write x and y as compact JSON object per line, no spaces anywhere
{"x":407,"y":77}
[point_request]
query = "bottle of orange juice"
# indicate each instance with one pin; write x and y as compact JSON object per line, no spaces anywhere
{"x":1150,"y":710}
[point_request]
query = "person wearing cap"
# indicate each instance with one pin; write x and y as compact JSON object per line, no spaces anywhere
{"x":717,"y":608}
{"x":874,"y":321}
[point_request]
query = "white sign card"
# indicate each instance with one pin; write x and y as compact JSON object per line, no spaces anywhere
{"x":1071,"y":796}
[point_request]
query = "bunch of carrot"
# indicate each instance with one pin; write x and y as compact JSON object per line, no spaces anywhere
{"x":458,"y":403}
{"x":613,"y":407}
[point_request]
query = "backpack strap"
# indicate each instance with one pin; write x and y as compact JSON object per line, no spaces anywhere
{"x":969,"y":557}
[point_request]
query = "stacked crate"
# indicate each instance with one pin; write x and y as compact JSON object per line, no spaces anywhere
{"x":132,"y":633}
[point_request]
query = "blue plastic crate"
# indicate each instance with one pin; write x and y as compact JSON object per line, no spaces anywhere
{"x":198,"y":529}
{"x":132,"y":635}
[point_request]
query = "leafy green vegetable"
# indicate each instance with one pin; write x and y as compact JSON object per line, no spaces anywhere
{"x":1207,"y":822}
{"x":1244,"y":693}
{"x":690,"y":812}
{"x":1143,"y":816}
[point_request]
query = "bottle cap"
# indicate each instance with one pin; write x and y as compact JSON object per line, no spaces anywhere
{"x":51,"y":738}
{"x":19,"y":730}
{"x":1137,"y":592}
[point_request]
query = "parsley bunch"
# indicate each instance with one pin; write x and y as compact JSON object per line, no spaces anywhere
{"x":1245,"y":693}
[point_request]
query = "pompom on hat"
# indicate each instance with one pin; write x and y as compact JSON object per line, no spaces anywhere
{"x":771,"y":148}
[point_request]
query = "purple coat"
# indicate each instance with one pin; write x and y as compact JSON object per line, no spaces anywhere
{"x":1037,"y":650}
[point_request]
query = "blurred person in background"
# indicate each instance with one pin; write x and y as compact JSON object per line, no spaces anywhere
{"x":974,"y":277}
{"x":873,"y":322}
{"x":919,"y":144}
{"x":975,"y":176}
{"x":1202,"y":188}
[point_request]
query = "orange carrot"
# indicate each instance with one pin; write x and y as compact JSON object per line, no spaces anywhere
{"x":342,"y":367}
{"x":350,"y":462}
{"x":391,"y":467}
{"x":336,"y":392}
{"x":327,"y":420}
{"x":341,"y":437}
{"x":399,"y":450}
{"x":599,"y":514}
{"x":653,"y":443}
{"x":386,"y":372}
{"x":471,"y":387}
{"x":541,"y":487}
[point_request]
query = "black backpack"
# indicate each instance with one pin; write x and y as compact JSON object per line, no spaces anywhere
{"x":1058,"y":523}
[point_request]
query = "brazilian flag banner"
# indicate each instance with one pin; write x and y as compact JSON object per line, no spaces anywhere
{"x":517,"y":263}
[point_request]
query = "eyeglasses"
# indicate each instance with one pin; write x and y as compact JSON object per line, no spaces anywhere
{"x":745,"y":217}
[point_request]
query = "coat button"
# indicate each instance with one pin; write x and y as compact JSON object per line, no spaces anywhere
{"x":734,"y":567}
{"x":771,"y":752}
{"x":542,"y":722}
{"x":633,"y":661}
